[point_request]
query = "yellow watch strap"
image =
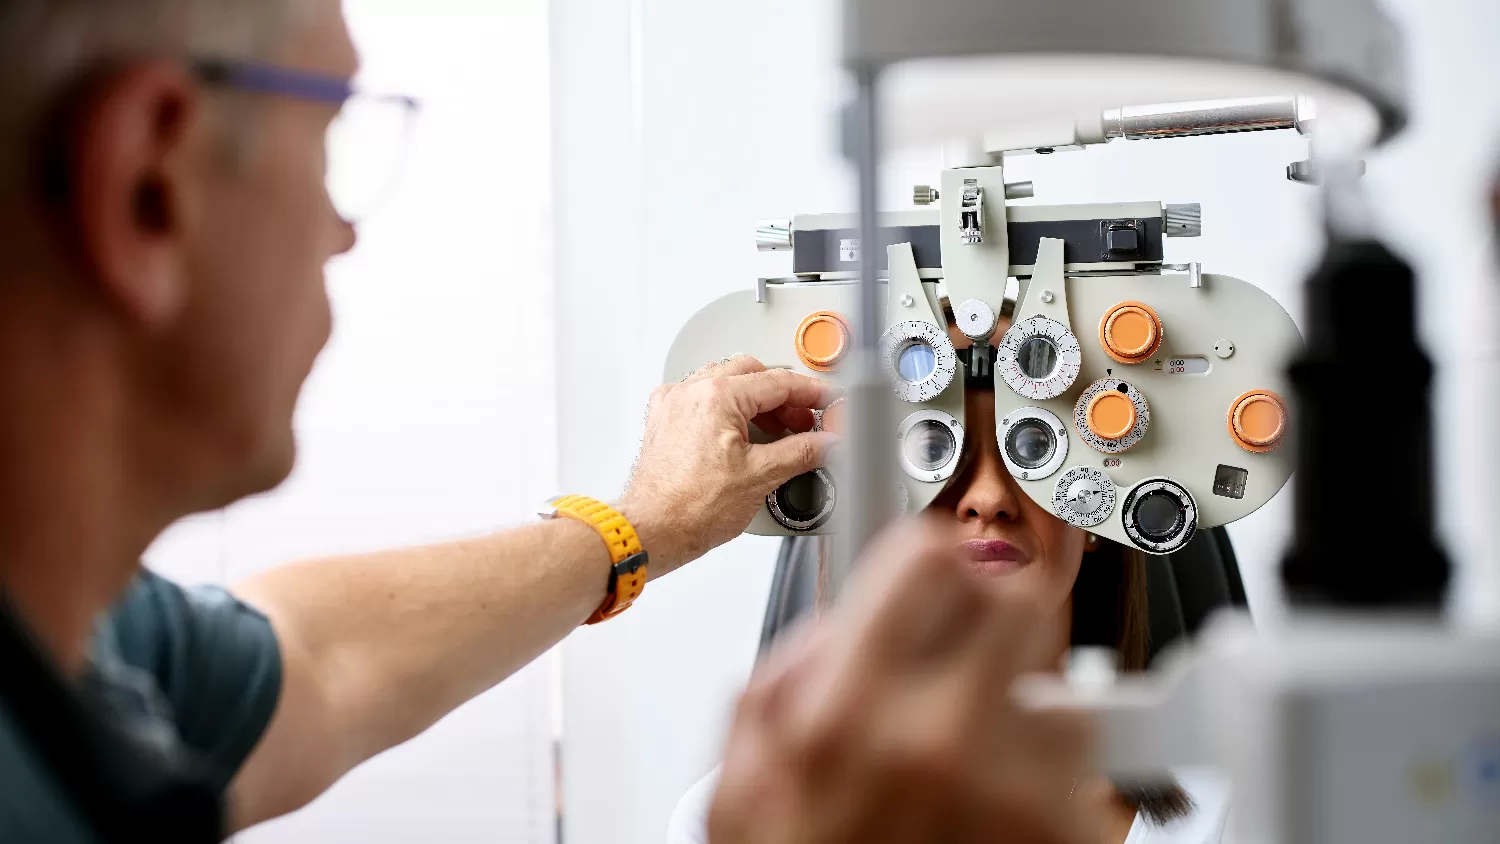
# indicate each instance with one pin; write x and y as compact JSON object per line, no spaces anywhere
{"x":627,"y":578}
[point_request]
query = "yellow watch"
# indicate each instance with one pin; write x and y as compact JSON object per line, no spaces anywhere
{"x":627,"y":570}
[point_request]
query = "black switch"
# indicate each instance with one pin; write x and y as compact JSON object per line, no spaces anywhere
{"x":1123,"y":241}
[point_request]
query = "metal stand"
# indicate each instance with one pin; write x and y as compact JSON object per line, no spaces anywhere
{"x":868,"y":482}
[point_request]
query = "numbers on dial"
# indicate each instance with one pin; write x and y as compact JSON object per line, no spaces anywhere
{"x":920,"y":360}
{"x":1039,"y":358}
{"x":1084,"y":497}
{"x":1137,"y":432}
{"x":1191,"y":365}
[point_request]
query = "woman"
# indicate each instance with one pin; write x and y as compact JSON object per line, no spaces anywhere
{"x":1096,"y":590}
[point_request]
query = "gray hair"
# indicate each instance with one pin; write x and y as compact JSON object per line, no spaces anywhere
{"x":47,"y":45}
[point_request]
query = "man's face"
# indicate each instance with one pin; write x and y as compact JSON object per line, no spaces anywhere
{"x":259,"y":229}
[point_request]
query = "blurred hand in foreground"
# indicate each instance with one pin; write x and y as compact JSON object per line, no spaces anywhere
{"x":890,"y":719}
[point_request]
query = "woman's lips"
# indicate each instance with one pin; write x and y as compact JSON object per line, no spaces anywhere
{"x":993,"y":557}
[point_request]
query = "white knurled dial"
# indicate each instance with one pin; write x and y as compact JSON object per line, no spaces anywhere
{"x":1039,"y":358}
{"x":1084,"y":497}
{"x":920,"y":360}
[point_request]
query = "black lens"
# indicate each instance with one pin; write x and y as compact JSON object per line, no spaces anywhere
{"x":930,"y":445}
{"x":1037,"y":358}
{"x":803,"y":498}
{"x":1159,"y":515}
{"x":1030,"y":444}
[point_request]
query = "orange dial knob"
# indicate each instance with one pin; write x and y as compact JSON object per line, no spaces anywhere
{"x":822,"y":339}
{"x":1111,"y":415}
{"x":1130,"y":332}
{"x":1258,"y":421}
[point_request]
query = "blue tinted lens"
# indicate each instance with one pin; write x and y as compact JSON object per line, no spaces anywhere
{"x":917,"y":362}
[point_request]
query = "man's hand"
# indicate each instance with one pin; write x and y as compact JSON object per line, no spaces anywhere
{"x":892,"y":720}
{"x":699,"y":480}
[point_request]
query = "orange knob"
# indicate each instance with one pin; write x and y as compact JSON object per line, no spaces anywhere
{"x":1258,"y":421}
{"x":822,"y":339}
{"x":1130,"y":332}
{"x":1111,"y":415}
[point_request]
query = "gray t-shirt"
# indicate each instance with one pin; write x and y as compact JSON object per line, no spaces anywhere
{"x":190,"y":676}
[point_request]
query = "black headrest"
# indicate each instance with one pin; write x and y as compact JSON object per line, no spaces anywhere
{"x":1183,"y":589}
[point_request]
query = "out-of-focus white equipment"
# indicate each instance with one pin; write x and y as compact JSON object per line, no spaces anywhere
{"x":1364,"y":719}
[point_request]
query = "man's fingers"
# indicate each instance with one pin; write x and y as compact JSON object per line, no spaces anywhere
{"x":770,"y":423}
{"x":773,"y":464}
{"x":798,"y":420}
{"x":727,"y":368}
{"x":764,"y":392}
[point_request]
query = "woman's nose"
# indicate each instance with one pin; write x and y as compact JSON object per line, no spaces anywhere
{"x":990,"y":495}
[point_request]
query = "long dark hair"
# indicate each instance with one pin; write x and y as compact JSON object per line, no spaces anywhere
{"x":1111,"y":609}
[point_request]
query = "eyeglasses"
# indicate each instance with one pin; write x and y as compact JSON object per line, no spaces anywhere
{"x":367,"y":142}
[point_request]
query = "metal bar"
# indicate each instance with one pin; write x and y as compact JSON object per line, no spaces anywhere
{"x":866,"y":496}
{"x":1213,"y":117}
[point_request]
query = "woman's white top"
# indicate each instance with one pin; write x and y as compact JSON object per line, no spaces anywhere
{"x":1206,"y":825}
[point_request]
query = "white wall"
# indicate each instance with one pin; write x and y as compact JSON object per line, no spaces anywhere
{"x":680,"y":123}
{"x":431,"y":414}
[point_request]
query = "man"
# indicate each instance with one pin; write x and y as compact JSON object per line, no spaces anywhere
{"x":165,"y":224}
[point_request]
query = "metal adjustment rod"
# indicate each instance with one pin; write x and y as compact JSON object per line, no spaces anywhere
{"x":971,"y":213}
{"x":927,"y":194}
{"x":1194,"y":271}
{"x":1307,"y":173}
{"x":1185,"y":220}
{"x":1182,"y":120}
{"x":773,"y":235}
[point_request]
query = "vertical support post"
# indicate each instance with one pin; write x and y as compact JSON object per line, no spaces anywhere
{"x":867,"y":482}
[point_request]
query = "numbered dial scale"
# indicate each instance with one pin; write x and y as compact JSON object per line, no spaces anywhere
{"x":1112,"y":415}
{"x":920,"y":360}
{"x":1084,"y":497}
{"x":1039,"y":358}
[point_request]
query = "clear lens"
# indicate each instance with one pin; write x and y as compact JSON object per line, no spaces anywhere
{"x":1157,"y":515}
{"x":367,"y":147}
{"x":916,"y":362}
{"x":1037,"y":358}
{"x":1030,"y":444}
{"x":930,"y":445}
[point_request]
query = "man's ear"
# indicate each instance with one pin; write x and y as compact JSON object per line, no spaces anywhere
{"x":130,"y":156}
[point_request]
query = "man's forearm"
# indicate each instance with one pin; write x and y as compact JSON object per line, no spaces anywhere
{"x":399,"y":639}
{"x":377,"y":648}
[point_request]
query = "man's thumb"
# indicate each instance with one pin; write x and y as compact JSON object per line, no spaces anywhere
{"x":776,"y":463}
